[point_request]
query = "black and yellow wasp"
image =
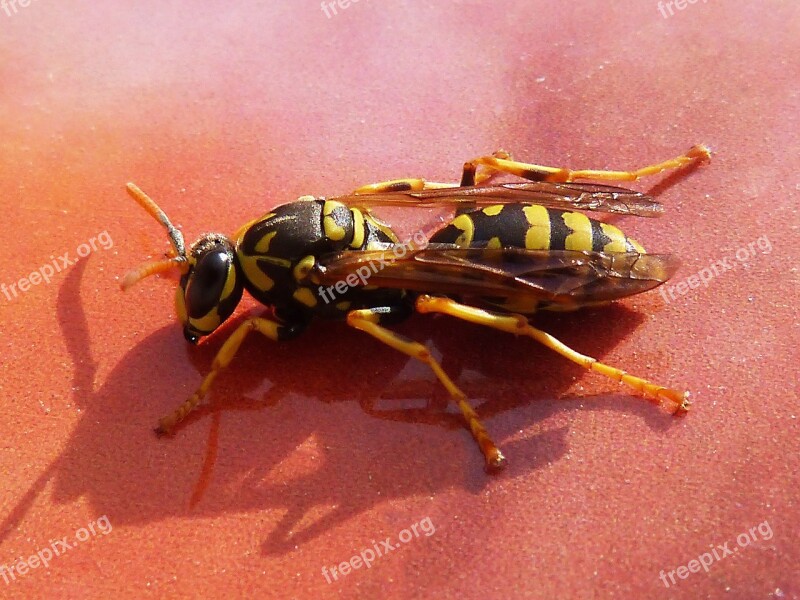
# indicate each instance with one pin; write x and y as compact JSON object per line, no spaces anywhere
{"x":511,"y":250}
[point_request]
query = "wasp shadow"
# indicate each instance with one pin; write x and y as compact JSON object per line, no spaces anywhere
{"x":292,"y":427}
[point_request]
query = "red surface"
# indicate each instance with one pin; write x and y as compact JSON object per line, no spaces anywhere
{"x":221,"y":113}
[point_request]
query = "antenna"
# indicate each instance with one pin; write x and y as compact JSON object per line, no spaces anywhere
{"x":175,"y":237}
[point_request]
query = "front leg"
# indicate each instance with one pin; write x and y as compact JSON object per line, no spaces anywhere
{"x":272,"y":329}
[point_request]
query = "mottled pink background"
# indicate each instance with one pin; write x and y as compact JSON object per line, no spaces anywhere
{"x":222,"y":112}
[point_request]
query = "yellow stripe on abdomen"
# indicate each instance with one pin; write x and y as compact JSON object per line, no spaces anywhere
{"x":581,"y":236}
{"x":538,"y":235}
{"x":637,"y":247}
{"x":618,"y":239}
{"x":467,"y":227}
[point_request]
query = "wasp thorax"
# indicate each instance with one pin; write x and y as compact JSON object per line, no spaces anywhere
{"x":210,"y":289}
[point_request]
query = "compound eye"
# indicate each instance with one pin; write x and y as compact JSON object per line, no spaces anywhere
{"x":205,"y":285}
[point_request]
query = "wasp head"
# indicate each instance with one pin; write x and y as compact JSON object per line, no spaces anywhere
{"x":210,"y":289}
{"x":210,"y":285}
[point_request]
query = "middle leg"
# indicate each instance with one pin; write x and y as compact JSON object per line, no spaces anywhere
{"x":268,"y":328}
{"x":368,"y":321}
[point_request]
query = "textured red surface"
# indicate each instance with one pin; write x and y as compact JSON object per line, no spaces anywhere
{"x":221,"y":113}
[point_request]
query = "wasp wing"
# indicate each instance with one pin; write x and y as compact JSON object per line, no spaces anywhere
{"x":557,"y":277}
{"x":569,"y":196}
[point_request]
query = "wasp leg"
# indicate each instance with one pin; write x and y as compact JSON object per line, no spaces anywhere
{"x":470,"y":175}
{"x":418,"y":185}
{"x":401,"y":185}
{"x":367,"y":320}
{"x":563,"y":175}
{"x":517,"y":324}
{"x":271,"y":329}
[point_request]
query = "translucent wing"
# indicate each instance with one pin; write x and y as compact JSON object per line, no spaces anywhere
{"x":568,"y":277}
{"x":569,"y":196}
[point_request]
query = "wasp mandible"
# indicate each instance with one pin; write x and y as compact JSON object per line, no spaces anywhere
{"x":512,"y":249}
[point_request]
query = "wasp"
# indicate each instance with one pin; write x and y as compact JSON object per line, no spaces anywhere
{"x":510,"y":250}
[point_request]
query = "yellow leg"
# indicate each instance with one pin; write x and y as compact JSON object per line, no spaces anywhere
{"x":367,"y":321}
{"x":559,"y":174}
{"x":470,"y":175}
{"x":517,"y":324}
{"x":270,"y":329}
{"x":418,"y":185}
{"x":401,"y":185}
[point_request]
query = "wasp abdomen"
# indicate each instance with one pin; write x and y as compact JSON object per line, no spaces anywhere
{"x":534,"y":227}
